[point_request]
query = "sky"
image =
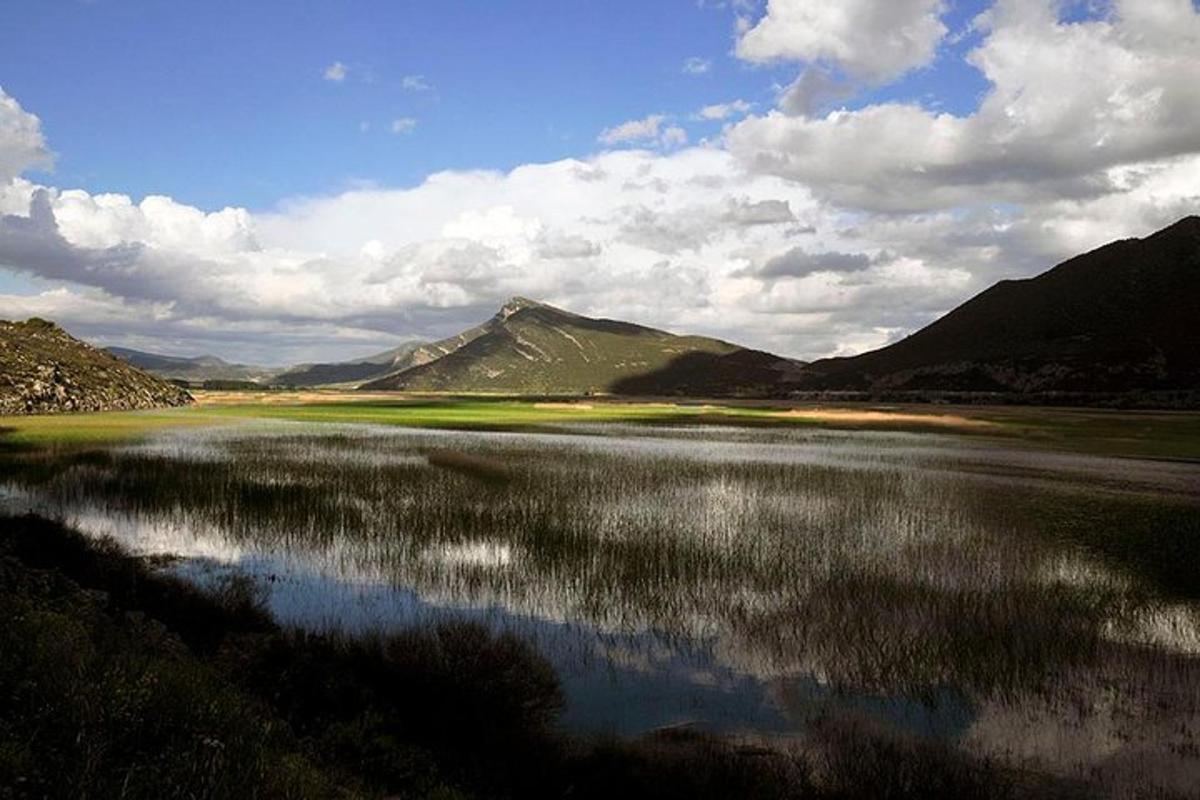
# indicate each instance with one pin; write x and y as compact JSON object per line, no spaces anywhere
{"x":274,"y":182}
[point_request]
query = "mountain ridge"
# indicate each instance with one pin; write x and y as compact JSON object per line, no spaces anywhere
{"x":1120,"y":318}
{"x":188,"y":368}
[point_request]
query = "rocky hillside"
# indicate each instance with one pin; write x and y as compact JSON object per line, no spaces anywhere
{"x":532,"y":348}
{"x":45,"y":370}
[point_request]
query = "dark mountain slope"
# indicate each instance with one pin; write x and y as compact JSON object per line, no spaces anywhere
{"x":1125,"y":317}
{"x":44,"y":370}
{"x":532,"y":348}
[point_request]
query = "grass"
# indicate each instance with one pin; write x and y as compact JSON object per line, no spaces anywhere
{"x":93,"y":428}
{"x":120,"y":682}
{"x":1150,"y":434}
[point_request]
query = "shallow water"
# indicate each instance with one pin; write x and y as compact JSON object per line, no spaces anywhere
{"x":1031,"y":607}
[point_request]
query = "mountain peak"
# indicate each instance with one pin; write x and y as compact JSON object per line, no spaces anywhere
{"x":515,"y":304}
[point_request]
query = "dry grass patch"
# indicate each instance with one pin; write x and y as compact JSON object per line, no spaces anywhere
{"x":877,"y":418}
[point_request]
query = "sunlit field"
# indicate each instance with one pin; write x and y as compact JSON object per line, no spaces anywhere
{"x":1155,"y":434}
{"x":787,"y":577}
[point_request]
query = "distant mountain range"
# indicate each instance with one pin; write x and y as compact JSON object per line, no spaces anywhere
{"x":1123,"y":318}
{"x":532,"y":348}
{"x":198,"y":370}
{"x":183,"y":368}
{"x":45,"y":370}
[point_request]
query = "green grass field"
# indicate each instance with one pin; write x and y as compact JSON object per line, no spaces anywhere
{"x":1173,"y":435}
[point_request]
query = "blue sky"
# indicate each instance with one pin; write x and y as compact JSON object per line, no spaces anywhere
{"x":223,"y":102}
{"x":286,"y":181}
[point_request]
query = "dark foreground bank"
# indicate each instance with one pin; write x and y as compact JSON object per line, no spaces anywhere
{"x":119,"y":681}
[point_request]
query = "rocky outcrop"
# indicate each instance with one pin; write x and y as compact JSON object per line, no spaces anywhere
{"x":45,"y":370}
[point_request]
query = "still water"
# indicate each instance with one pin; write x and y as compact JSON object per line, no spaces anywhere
{"x":1040,"y":609}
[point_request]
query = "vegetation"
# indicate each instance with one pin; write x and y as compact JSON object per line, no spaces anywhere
{"x":1154,"y":434}
{"x":44,"y":370}
{"x":121,"y":682}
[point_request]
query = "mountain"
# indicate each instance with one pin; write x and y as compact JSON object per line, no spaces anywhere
{"x":44,"y":370}
{"x":363,"y":369}
{"x":1125,"y":317}
{"x":194,"y":368}
{"x":532,"y":348}
{"x":198,"y":369}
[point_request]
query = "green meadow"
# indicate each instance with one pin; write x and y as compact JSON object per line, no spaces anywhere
{"x":1150,"y":434}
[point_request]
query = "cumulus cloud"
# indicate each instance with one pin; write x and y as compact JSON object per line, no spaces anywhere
{"x":673,"y":136}
{"x":21,"y":142}
{"x":873,"y":40}
{"x":651,"y":130}
{"x":626,"y":233}
{"x":404,"y":125}
{"x":720,"y":111}
{"x":635,"y":130}
{"x":696,"y":66}
{"x":798,"y":263}
{"x":742,"y":211}
{"x":415,"y":83}
{"x":1134,"y":97}
{"x":814,"y":89}
{"x":336,"y":72}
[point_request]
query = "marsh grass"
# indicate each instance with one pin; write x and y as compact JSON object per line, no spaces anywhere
{"x":881,"y":566}
{"x":108,"y":697}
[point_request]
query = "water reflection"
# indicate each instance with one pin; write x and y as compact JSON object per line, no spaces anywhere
{"x":743,"y":580}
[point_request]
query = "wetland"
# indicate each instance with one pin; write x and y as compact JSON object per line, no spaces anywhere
{"x":787,"y":588}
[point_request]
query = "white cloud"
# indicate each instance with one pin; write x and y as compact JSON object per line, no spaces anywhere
{"x":689,"y":241}
{"x":873,"y":40}
{"x":720,"y":111}
{"x":336,"y":72}
{"x":415,"y":83}
{"x":1134,"y":96}
{"x":696,"y":66}
{"x":404,"y":125}
{"x":21,"y":142}
{"x":673,"y":136}
{"x":626,"y":233}
{"x":635,"y":130}
{"x":651,"y":130}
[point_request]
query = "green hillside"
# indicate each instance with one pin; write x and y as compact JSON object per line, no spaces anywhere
{"x":532,"y":348}
{"x":45,"y":370}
